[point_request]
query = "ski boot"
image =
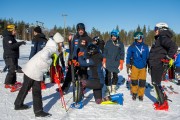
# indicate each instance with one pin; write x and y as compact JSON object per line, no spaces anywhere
{"x":42,"y":114}
{"x":113,"y":90}
{"x":108,"y":90}
{"x":7,"y":86}
{"x":117,"y":98}
{"x":43,"y":86}
{"x":163,"y":106}
{"x":134,"y":95}
{"x":140,"y":98}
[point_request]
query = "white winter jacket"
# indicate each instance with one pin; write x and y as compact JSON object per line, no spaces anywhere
{"x":40,"y":62}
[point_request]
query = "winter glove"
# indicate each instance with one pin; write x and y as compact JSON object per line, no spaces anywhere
{"x":80,"y":54}
{"x":55,"y":57}
{"x":104,"y":62}
{"x":171,"y":61}
{"x":121,"y":64}
{"x":128,"y":66}
{"x":74,"y":62}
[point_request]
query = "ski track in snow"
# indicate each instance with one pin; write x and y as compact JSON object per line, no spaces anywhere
{"x":130,"y":110}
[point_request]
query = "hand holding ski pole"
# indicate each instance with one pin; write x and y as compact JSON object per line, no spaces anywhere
{"x":55,"y":57}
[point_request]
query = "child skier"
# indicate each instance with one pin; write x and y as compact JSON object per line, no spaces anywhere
{"x":33,"y":75}
{"x":138,"y":53}
{"x":95,"y":81}
{"x":113,"y":61}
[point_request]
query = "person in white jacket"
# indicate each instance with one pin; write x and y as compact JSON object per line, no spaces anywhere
{"x":33,"y":75}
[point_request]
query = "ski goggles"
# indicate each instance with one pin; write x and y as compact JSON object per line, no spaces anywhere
{"x":156,"y":28}
{"x":138,"y":37}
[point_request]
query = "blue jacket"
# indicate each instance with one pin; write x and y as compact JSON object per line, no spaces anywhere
{"x":94,"y":64}
{"x":177,"y":61}
{"x":139,"y":52}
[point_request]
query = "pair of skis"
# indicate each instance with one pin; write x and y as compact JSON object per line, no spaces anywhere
{"x":169,"y":89}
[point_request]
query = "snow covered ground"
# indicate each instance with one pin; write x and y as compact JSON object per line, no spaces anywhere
{"x":130,"y":110}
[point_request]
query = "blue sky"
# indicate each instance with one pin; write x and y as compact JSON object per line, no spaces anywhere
{"x":104,"y":15}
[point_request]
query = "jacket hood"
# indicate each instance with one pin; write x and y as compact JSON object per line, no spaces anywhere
{"x":166,"y":33}
{"x":6,"y":33}
{"x":40,"y":35}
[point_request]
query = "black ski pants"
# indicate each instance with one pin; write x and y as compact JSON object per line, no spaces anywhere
{"x":95,"y":85}
{"x":36,"y":93}
{"x":157,"y":74}
{"x":108,"y":80}
{"x":12,"y":64}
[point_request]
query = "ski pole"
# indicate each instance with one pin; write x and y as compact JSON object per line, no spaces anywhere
{"x":60,"y":90}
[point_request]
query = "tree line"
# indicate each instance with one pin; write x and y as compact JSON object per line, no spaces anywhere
{"x":25,"y":32}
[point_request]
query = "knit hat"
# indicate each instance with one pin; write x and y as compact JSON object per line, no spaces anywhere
{"x":38,"y":29}
{"x":58,"y":38}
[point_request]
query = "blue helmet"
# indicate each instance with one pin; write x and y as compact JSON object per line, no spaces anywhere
{"x":115,"y":33}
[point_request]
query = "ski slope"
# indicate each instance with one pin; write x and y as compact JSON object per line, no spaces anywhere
{"x":130,"y":110}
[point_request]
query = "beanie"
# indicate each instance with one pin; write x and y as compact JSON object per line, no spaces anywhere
{"x":58,"y":38}
{"x":38,"y":29}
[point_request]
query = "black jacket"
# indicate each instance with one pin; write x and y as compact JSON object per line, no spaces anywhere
{"x":162,"y":46}
{"x":38,"y":43}
{"x":10,"y":45}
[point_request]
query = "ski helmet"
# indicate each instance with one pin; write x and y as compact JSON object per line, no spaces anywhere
{"x":96,"y":38}
{"x":115,"y":33}
{"x":92,"y":49}
{"x":80,"y":26}
{"x":161,"y":26}
{"x":138,"y":36}
{"x":11,"y":27}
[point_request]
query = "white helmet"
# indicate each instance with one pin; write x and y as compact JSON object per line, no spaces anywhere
{"x":161,"y":26}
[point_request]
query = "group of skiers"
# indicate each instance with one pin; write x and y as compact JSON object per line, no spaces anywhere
{"x":87,"y":62}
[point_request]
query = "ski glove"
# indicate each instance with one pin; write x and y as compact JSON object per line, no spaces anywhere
{"x":171,"y":61}
{"x":121,"y":64}
{"x":54,"y":57}
{"x":104,"y":63}
{"x":80,"y":54}
{"x":128,"y":66}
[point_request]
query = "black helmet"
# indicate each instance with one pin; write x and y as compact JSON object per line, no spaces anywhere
{"x":96,"y":38}
{"x":80,"y":26}
{"x":92,"y":49}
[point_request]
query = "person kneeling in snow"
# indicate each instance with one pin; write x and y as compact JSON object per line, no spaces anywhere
{"x":33,"y":75}
{"x":93,"y":62}
{"x":177,"y":67}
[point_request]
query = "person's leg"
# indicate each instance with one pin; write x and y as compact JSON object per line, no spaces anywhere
{"x":27,"y":84}
{"x":142,"y":83}
{"x":134,"y":82}
{"x":67,"y":82}
{"x":156,"y":75}
{"x":114,"y":82}
{"x":37,"y":97}
{"x":11,"y":75}
{"x":97,"y":95}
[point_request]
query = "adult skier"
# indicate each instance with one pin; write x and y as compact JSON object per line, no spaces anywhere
{"x":37,"y":44}
{"x":33,"y":75}
{"x":162,"y":48}
{"x":74,"y":45}
{"x":11,"y":56}
{"x":113,"y":61}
